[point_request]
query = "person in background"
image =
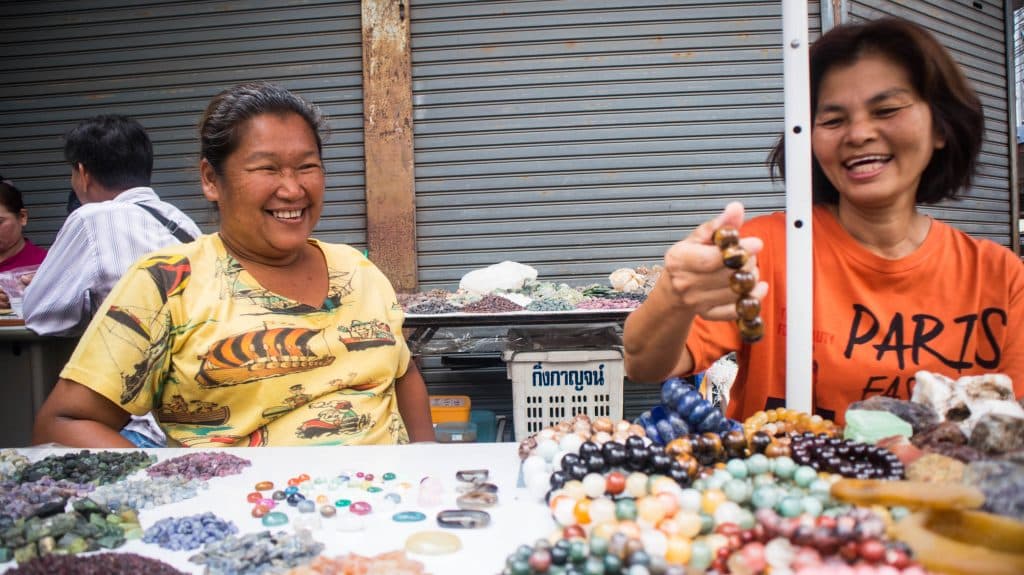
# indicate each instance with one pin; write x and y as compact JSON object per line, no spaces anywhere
{"x":894,"y":124}
{"x":16,"y":251}
{"x":120,"y":220}
{"x":257,"y":334}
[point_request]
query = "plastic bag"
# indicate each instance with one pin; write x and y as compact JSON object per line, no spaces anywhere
{"x":13,"y":283}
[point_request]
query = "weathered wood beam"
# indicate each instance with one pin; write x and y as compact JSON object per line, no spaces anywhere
{"x":388,"y":145}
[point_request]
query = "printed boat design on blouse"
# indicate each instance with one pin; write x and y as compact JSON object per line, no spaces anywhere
{"x":365,"y":335}
{"x":125,"y":325}
{"x":339,"y":285}
{"x":334,"y":418}
{"x":194,"y":412}
{"x":257,"y":355}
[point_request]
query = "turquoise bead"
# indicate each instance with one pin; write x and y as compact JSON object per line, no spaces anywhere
{"x":804,"y":475}
{"x":700,"y":556}
{"x":713,"y":482}
{"x":274,"y":519}
{"x":757,"y":464}
{"x":625,"y":509}
{"x":389,"y":476}
{"x":408,"y":517}
{"x":343,"y":503}
{"x":598,"y":545}
{"x":707,"y":523}
{"x":737,"y":468}
{"x":736,"y":490}
{"x":764,"y":497}
{"x":291,"y":489}
{"x":577,"y":551}
{"x":784,"y":467}
{"x":812,"y":506}
{"x":375,"y":489}
{"x":764,"y":479}
{"x":820,"y":487}
{"x":747,"y":520}
{"x":790,"y":507}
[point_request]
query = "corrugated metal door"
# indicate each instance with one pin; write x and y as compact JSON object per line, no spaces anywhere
{"x":581,"y":136}
{"x":161,"y":61}
{"x":974,"y":32}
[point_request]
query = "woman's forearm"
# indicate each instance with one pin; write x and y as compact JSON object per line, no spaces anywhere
{"x":414,"y":404}
{"x":654,"y":339}
{"x":77,"y":433}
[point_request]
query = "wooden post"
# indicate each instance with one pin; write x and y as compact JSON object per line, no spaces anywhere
{"x":388,"y":146}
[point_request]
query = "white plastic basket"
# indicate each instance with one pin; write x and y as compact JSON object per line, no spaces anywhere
{"x":553,"y":386}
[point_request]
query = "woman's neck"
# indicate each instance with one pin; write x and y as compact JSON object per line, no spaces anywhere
{"x":891,"y":233}
{"x":288,"y":261}
{"x":14,"y":250}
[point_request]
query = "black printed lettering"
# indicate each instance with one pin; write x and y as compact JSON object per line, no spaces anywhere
{"x":860,"y":312}
{"x":923,"y":334}
{"x":869,"y":390}
{"x":997,"y":351}
{"x":893,"y":340}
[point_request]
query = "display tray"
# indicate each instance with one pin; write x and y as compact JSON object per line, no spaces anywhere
{"x":517,"y":317}
{"x":515,"y":520}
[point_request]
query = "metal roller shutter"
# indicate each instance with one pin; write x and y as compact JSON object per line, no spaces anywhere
{"x":161,"y":62}
{"x":975,"y":33}
{"x":579,"y":137}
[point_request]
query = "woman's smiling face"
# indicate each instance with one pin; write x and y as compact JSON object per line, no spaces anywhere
{"x":873,"y":135}
{"x":271,"y":191}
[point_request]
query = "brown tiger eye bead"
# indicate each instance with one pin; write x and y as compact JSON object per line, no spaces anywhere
{"x":748,"y":308}
{"x":679,"y":446}
{"x":690,"y":464}
{"x":735,"y":443}
{"x":776,"y":450}
{"x":726,"y":236}
{"x":751,"y":330}
{"x":734,"y":257}
{"x":760,"y":441}
{"x":742,"y":282}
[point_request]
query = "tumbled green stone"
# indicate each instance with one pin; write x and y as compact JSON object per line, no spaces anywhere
{"x":700,"y":556}
{"x":612,"y":563}
{"x":519,"y":567}
{"x":790,"y":507}
{"x":736,"y":490}
{"x":408,"y":516}
{"x":868,"y":426}
{"x":5,"y":555}
{"x":757,"y":464}
{"x":812,"y":506}
{"x":343,"y":503}
{"x":25,"y":553}
{"x":577,"y":551}
{"x":598,"y":545}
{"x":274,"y":519}
{"x":804,"y":475}
{"x":389,"y":476}
{"x":594,"y":566}
{"x":764,"y":497}
{"x":737,"y":468}
{"x":374,"y":489}
{"x":625,"y":509}
{"x":784,"y":467}
{"x":110,"y":541}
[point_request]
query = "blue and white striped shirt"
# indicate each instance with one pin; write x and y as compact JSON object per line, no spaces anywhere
{"x":95,"y":246}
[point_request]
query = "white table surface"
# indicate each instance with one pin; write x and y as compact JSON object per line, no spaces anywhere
{"x":517,"y":519}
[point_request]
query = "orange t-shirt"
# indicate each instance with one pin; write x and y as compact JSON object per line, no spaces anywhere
{"x":955,"y":306}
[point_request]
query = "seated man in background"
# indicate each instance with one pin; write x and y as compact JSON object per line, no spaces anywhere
{"x":120,"y":220}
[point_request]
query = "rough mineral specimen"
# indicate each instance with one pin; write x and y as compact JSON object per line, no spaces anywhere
{"x":918,"y":415}
{"x":998,"y":433}
{"x":1002,"y":482}
{"x":936,"y":468}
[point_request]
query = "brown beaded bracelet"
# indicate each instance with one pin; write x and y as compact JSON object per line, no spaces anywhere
{"x":742,"y":282}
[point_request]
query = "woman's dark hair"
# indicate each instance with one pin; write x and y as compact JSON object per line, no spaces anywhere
{"x":114,"y":149}
{"x":957,"y":115}
{"x":10,"y":197}
{"x":225,"y":114}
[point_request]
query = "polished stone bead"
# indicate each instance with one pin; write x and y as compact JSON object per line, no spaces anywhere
{"x":700,"y":556}
{"x":291,"y":489}
{"x":264,"y":486}
{"x":433,"y":543}
{"x":804,"y":475}
{"x":328,"y":510}
{"x":764,"y":497}
{"x":295,"y":498}
{"x":736,"y":490}
{"x":259,"y":511}
{"x":784,"y":467}
{"x":790,"y":507}
{"x":393,"y":497}
{"x":306,"y":506}
{"x":360,"y":508}
{"x":408,"y":517}
{"x":279,"y":495}
{"x":737,"y":468}
{"x":294,"y":481}
{"x":389,"y":476}
{"x":625,"y":509}
{"x":254,"y":497}
{"x":274,"y":519}
{"x":343,"y":503}
{"x":374,"y":489}
{"x":303,"y":477}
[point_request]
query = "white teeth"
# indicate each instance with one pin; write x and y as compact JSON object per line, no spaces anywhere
{"x":287,"y":214}
{"x":866,"y":163}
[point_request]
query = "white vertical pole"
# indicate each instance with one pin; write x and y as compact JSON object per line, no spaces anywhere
{"x":799,"y":282}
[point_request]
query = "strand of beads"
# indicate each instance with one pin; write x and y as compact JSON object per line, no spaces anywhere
{"x":742,"y":282}
{"x":683,"y":410}
{"x":782,"y":421}
{"x":846,"y":457}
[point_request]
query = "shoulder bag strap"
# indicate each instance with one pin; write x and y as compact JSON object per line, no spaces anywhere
{"x":183,"y":236}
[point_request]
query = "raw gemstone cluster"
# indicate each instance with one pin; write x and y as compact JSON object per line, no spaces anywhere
{"x":202,"y":465}
{"x":187,"y":533}
{"x":86,"y":466}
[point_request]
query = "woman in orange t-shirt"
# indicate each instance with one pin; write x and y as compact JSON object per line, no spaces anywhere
{"x":894,"y":124}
